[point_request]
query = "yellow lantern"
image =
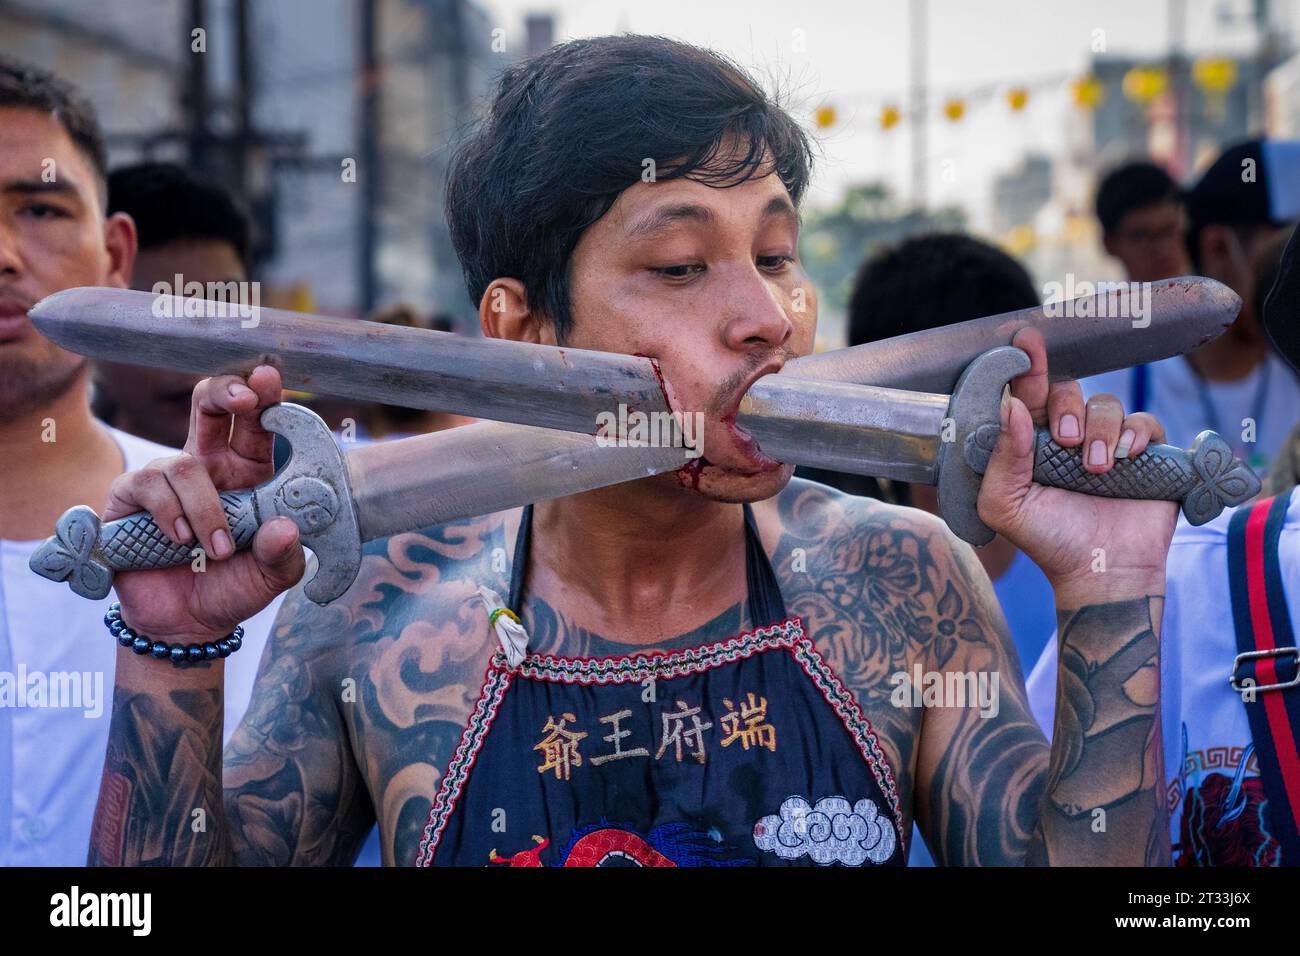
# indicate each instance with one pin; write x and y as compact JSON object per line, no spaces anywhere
{"x":1020,"y":240}
{"x":954,"y":109}
{"x":1214,"y":75}
{"x":1017,"y":98}
{"x":890,"y":117}
{"x":1145,"y":84}
{"x":1088,"y":92}
{"x":824,"y":117}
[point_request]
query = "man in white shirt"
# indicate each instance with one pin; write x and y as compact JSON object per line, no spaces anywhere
{"x":1234,"y":385}
{"x":56,"y":659}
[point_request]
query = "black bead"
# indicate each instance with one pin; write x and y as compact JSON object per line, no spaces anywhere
{"x":236,"y":642}
{"x":193,"y":654}
{"x":125,"y":640}
{"x":177,"y":654}
{"x":160,"y":650}
{"x":210,"y":651}
{"x":141,"y":645}
{"x":116,"y":627}
{"x":223,"y":647}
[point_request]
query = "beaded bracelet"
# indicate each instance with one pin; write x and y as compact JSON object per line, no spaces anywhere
{"x":181,"y":655}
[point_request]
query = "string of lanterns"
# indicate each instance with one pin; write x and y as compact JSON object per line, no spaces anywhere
{"x":1143,"y":84}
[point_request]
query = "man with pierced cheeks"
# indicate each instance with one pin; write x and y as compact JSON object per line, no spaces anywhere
{"x":707,"y":674}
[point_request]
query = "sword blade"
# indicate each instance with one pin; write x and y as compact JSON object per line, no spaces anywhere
{"x":570,"y":388}
{"x":1085,"y":336}
{"x":417,"y":368}
{"x":412,"y":483}
{"x":861,"y":429}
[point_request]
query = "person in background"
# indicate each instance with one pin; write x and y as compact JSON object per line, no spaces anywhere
{"x":1234,"y":385}
{"x":55,"y":233}
{"x":937,"y":280}
{"x":395,"y":421}
{"x":186,"y":228}
{"x":928,"y":282}
{"x":1143,"y":223}
{"x":1284,"y":472}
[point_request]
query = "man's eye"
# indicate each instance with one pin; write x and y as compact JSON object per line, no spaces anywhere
{"x":678,"y":272}
{"x":774,"y":263}
{"x":43,"y":210}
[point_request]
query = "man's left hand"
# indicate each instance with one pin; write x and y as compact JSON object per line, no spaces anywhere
{"x":1091,"y":548}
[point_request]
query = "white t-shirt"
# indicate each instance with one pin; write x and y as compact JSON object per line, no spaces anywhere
{"x":1206,"y":729}
{"x":1187,"y":405}
{"x":52,"y":757}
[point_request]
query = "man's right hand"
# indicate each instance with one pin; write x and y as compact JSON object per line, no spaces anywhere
{"x":227,"y":449}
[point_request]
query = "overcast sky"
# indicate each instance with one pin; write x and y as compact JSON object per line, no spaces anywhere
{"x":857,"y":57}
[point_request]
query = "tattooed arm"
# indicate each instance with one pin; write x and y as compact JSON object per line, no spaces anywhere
{"x":1107,"y":769}
{"x":292,"y":793}
{"x":988,"y":790}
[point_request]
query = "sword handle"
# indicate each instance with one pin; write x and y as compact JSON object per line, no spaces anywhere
{"x":86,"y":552}
{"x":311,"y":490}
{"x":1205,"y":478}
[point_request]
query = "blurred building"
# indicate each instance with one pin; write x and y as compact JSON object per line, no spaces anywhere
{"x":1183,"y":124}
{"x":1021,"y":192}
{"x":333,"y":119}
{"x":1282,"y":92}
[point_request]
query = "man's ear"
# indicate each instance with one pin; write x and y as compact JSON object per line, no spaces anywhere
{"x":120,"y":241}
{"x":503,"y":313}
{"x":1216,"y":246}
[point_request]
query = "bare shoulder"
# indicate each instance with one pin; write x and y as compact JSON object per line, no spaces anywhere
{"x":422,"y":581}
{"x":880,"y":589}
{"x":891,"y":569}
{"x":396,"y":663}
{"x":809,"y":509}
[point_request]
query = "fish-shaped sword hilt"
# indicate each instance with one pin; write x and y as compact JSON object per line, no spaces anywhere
{"x":1204,"y":479}
{"x":311,"y":490}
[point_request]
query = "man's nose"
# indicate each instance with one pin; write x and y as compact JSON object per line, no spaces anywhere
{"x":756,"y":315}
{"x":10,"y":262}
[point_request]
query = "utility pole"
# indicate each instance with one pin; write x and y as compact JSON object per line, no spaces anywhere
{"x":368,"y":162}
{"x":194,"y":101}
{"x":920,"y":111}
{"x":1176,"y":17}
{"x":245,"y":95}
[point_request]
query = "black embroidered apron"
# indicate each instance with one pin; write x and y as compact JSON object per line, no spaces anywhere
{"x":748,"y":751}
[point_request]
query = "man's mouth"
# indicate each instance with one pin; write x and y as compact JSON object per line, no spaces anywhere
{"x":747,"y":459}
{"x":13,"y":319}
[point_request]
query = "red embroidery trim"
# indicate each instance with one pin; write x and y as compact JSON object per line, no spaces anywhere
{"x":454,"y":780}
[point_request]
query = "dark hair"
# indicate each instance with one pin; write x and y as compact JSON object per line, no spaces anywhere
{"x":1132,"y":186}
{"x":168,"y":203}
{"x":29,"y":87}
{"x":932,"y":281}
{"x":569,"y":130}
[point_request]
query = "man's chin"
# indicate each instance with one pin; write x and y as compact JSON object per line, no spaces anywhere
{"x":732,"y":487}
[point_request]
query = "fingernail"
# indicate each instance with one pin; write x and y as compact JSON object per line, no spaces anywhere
{"x":1125,"y":443}
{"x":1069,"y":427}
{"x":221,"y":544}
{"x":1097,"y":452}
{"x":183,"y":531}
{"x":236,"y":390}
